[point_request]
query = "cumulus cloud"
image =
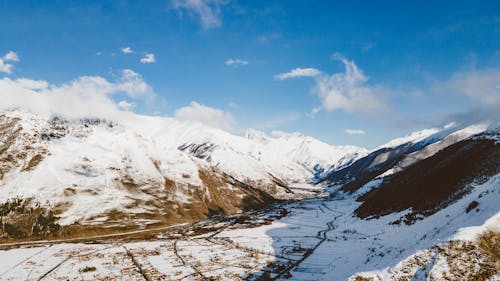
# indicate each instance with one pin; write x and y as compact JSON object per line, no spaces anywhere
{"x":127,"y":50}
{"x":207,"y":115}
{"x":86,"y":96}
{"x":236,"y":62}
{"x":298,"y":72}
{"x":32,"y":84}
{"x":11,"y":56}
{"x":6,"y":65}
{"x":207,"y":11}
{"x":148,"y":58}
{"x":133,"y":84}
{"x":348,"y":90}
{"x":354,"y":132}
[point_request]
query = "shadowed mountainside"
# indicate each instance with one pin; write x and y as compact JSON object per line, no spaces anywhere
{"x":434,"y":182}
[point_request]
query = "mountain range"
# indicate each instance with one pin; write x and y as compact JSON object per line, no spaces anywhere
{"x":154,"y":170}
{"x":63,"y":177}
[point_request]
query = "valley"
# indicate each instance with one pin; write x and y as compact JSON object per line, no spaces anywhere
{"x":226,"y":140}
{"x":178,"y":201}
{"x":312,"y":239}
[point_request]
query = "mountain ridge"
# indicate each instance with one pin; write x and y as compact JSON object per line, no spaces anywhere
{"x":147,"y":167}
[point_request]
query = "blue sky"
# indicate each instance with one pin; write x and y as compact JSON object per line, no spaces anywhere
{"x":407,"y":61}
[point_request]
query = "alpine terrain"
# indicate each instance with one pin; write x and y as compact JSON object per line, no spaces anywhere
{"x":231,"y":140}
{"x":161,"y":199}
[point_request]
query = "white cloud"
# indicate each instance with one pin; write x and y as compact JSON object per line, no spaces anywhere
{"x":236,"y":62}
{"x":8,"y":57}
{"x":314,"y":111}
{"x":207,"y":115}
{"x":148,"y":58}
{"x":133,"y":84}
{"x":86,"y":96}
{"x":127,"y":50}
{"x":5,"y":67}
{"x":346,"y":91}
{"x":208,"y":11}
{"x":32,"y":84}
{"x":11,"y":56}
{"x":354,"y":132}
{"x":298,"y":72}
{"x":125,"y":105}
{"x":481,"y":87}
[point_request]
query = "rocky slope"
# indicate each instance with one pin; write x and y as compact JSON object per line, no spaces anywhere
{"x":144,"y":170}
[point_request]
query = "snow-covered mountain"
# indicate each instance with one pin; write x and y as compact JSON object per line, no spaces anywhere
{"x":313,"y":239}
{"x":152,"y":169}
{"x":400,"y":153}
{"x":423,"y":172}
{"x":421,"y":207}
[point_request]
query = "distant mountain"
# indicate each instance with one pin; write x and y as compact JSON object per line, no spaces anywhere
{"x":422,"y":172}
{"x":397,"y":154}
{"x":151,"y":169}
{"x":436,"y":181}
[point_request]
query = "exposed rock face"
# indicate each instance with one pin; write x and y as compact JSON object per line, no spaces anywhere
{"x":19,"y":150}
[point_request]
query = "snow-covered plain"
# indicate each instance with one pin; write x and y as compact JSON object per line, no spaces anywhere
{"x":319,"y":239}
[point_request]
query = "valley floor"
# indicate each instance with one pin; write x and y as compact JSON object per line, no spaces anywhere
{"x":315,"y":239}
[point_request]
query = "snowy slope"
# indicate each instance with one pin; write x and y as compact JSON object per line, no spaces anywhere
{"x":318,"y":239}
{"x":341,"y":246}
{"x":400,"y":153}
{"x":138,"y":164}
{"x":431,"y":149}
